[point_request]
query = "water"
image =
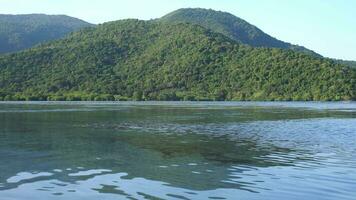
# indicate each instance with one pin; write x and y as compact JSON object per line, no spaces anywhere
{"x":177,"y":151}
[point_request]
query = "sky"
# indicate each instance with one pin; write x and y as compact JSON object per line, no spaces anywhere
{"x":326,"y":26}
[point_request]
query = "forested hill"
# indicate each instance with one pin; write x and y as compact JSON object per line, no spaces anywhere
{"x":231,"y":26}
{"x":347,"y":62}
{"x":18,"y":32}
{"x":147,"y":60}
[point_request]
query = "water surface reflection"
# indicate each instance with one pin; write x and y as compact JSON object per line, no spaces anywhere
{"x":174,"y":151}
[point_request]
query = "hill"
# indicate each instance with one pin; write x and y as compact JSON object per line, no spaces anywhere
{"x":148,"y":60}
{"x":349,"y":63}
{"x":231,"y":26}
{"x":18,"y":32}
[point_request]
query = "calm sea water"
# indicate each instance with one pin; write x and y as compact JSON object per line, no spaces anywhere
{"x":177,"y":151}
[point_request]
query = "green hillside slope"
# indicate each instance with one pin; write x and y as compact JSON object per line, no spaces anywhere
{"x":146,"y":60}
{"x":349,"y":63}
{"x":231,"y":26}
{"x":18,"y":32}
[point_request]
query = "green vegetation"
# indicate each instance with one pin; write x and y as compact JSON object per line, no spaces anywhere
{"x":18,"y":32}
{"x":231,"y":26}
{"x":150,"y":60}
{"x":347,"y":62}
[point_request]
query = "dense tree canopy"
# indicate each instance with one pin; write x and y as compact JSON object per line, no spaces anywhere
{"x":150,"y":60}
{"x":347,"y":63}
{"x":18,"y":32}
{"x":231,"y":26}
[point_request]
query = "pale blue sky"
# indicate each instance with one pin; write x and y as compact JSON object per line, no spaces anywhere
{"x":325,"y":26}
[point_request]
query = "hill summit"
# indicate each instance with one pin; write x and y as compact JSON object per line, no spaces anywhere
{"x":20,"y":32}
{"x":231,"y":26}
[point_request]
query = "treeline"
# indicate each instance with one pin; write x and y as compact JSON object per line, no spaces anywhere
{"x":163,"y":96}
{"x":138,"y":96}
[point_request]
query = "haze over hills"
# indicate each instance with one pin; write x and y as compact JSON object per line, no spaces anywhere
{"x":231,"y":26}
{"x":18,"y":32}
{"x":152,"y":60}
{"x":349,"y":63}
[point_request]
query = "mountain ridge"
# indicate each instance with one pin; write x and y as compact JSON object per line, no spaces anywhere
{"x":19,"y":32}
{"x":231,"y":26}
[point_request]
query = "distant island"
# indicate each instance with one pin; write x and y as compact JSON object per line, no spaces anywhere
{"x":189,"y":54}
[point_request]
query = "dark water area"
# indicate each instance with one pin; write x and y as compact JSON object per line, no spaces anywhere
{"x":178,"y":150}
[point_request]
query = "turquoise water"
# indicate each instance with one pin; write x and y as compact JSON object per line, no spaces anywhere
{"x":162,"y":150}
